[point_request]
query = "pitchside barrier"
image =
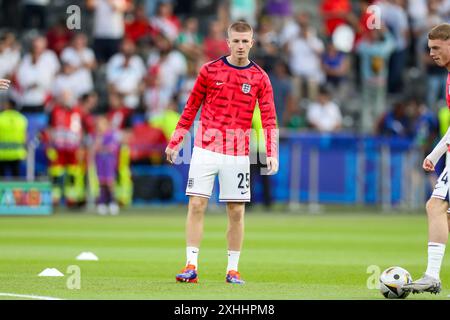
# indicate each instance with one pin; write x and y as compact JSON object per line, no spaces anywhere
{"x":24,"y":197}
{"x":350,"y":169}
{"x":338,"y":168}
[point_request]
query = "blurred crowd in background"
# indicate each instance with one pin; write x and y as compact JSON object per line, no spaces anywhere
{"x":133,"y":63}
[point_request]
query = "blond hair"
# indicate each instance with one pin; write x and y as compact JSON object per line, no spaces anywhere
{"x":440,"y":32}
{"x":240,"y":26}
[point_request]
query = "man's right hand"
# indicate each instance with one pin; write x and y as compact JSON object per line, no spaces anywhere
{"x":4,"y":84}
{"x":428,"y":165}
{"x":272,"y":165}
{"x":171,"y":155}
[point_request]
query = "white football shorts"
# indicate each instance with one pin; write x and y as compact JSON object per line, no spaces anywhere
{"x":441,"y":188}
{"x":233,"y":172}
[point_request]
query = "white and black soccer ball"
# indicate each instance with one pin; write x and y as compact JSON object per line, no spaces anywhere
{"x":391,"y":281}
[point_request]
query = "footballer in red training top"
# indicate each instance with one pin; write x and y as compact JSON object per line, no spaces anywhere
{"x":447,"y":90}
{"x":229,"y":94}
{"x":227,"y":89}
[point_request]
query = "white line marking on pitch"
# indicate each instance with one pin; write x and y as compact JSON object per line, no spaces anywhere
{"x":28,"y":296}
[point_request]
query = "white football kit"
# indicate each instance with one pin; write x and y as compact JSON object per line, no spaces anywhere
{"x":441,"y":188}
{"x":233,"y":172}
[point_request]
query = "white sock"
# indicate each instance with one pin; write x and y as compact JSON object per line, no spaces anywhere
{"x":435,"y":255}
{"x":233,"y":260}
{"x":192,"y":256}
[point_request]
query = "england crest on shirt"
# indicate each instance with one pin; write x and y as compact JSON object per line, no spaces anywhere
{"x":246,"y":88}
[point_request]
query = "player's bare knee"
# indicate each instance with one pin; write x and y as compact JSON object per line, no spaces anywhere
{"x":236,"y":212}
{"x":436,"y":206}
{"x":197,"y":205}
{"x":236,"y":218}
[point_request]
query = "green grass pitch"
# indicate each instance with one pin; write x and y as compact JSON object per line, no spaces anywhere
{"x":292,"y":255}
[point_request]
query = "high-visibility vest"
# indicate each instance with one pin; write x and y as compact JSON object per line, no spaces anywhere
{"x":13,"y":134}
{"x":167,"y":122}
{"x":257,"y":139}
{"x":444,"y":120}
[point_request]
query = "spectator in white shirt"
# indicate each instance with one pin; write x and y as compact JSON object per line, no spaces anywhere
{"x":156,"y":98}
{"x":171,"y":64}
{"x":35,"y":76}
{"x":82,"y":59}
{"x":124,"y":74}
{"x":324,"y":115}
{"x":304,"y":53}
{"x":188,"y":82}
{"x":290,"y":28}
{"x":9,"y":55}
{"x":67,"y":80}
{"x":395,"y":18}
{"x":109,"y":26}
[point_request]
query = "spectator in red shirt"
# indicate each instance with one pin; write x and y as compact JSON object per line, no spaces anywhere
{"x":118,"y":114}
{"x":215,"y":44}
{"x":139,"y":28}
{"x":335,"y":13}
{"x":166,"y":22}
{"x":87,"y":104}
{"x":58,"y":37}
{"x":362,"y":24}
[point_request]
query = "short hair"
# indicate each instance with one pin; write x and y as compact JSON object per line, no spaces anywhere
{"x":85,"y":96}
{"x":440,"y":32}
{"x":325,"y":90}
{"x":240,"y":26}
{"x":11,"y":103}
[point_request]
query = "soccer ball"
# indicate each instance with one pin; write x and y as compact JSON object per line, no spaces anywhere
{"x":391,"y":281}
